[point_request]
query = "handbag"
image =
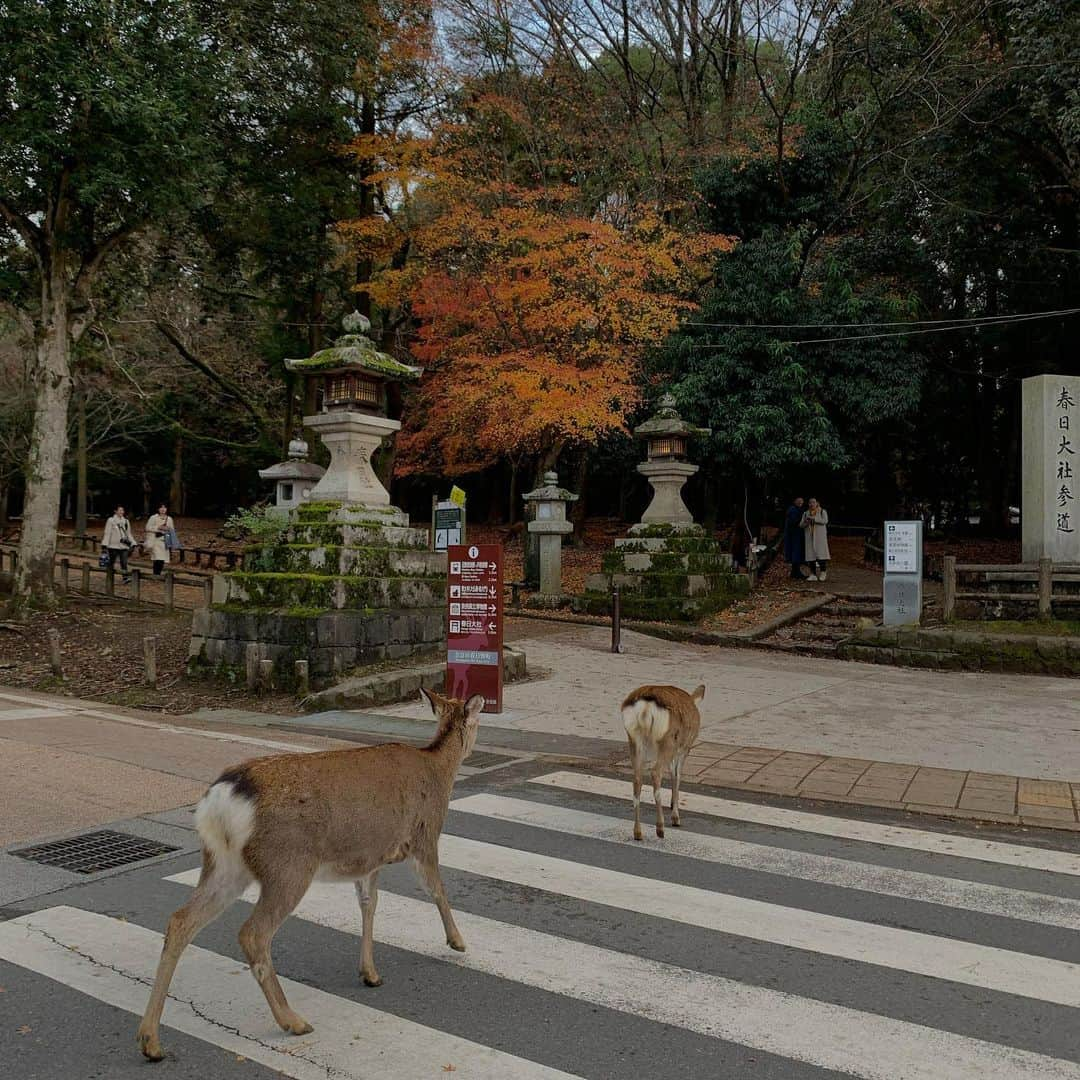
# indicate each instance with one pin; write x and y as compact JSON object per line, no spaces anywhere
{"x":103,"y":559}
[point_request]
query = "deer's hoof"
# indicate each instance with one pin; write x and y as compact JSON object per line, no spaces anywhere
{"x":299,"y":1027}
{"x":372,"y":980}
{"x":457,"y":944}
{"x":660,"y":833}
{"x":676,"y":823}
{"x":150,"y":1046}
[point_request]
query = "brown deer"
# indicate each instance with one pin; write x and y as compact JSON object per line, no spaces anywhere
{"x":662,"y":724}
{"x":340,"y":815}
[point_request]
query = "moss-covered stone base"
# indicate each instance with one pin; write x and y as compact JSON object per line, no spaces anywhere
{"x":664,"y":574}
{"x":340,"y":587}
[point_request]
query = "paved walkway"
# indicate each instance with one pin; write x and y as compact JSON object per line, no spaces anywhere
{"x":995,"y":747}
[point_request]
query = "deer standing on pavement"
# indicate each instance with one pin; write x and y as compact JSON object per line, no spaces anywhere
{"x":340,"y":815}
{"x":662,"y":724}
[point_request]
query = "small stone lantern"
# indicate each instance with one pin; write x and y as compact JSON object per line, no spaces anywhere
{"x":666,"y":437}
{"x":549,"y":524}
{"x":293,"y":479}
{"x":353,"y":421}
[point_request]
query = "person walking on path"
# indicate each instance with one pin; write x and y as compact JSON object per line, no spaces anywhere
{"x":160,"y":532}
{"x":793,"y":537}
{"x":118,"y":542}
{"x":815,"y":526}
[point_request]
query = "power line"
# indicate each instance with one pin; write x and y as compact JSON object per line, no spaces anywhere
{"x":956,"y":323}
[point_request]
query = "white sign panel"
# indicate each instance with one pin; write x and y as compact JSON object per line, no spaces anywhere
{"x":902,"y":547}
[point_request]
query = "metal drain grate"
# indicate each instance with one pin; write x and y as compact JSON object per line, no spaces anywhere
{"x":485,"y":760}
{"x":91,"y":852}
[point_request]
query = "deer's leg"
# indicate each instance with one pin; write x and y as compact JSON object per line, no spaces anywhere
{"x":427,"y":869}
{"x":279,"y":895}
{"x":218,"y":887}
{"x":658,"y":790}
{"x":367,"y":893}
{"x":676,"y":775}
{"x":636,"y":763}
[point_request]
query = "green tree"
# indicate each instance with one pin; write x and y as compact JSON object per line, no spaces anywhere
{"x":118,"y":116}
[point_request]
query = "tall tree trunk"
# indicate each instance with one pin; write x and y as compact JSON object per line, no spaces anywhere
{"x":80,"y":469}
{"x":578,"y":510}
{"x":51,"y":379}
{"x":5,"y":492}
{"x":512,"y":495}
{"x":176,"y":483}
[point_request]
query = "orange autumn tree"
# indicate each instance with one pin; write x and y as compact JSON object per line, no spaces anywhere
{"x":531,"y":318}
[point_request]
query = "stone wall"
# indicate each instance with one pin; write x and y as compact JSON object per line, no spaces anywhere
{"x":946,"y":649}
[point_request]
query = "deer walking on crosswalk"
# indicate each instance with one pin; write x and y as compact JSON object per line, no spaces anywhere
{"x":662,"y":724}
{"x":340,"y":815}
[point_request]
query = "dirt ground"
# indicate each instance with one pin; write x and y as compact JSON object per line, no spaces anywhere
{"x":101,"y":648}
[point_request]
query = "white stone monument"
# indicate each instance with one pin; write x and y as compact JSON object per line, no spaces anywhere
{"x":293,"y":479}
{"x":1050,"y":477}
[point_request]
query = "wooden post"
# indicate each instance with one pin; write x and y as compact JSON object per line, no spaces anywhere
{"x":65,"y":576}
{"x":251,"y":665}
{"x":168,"y":583}
{"x":110,"y":581}
{"x":266,"y":674}
{"x":55,"y":663}
{"x":86,"y":579}
{"x":1046,"y":588}
{"x":303,"y":680}
{"x":150,"y":655}
{"x":208,"y":592}
{"x":948,"y":576}
{"x":136,"y":584}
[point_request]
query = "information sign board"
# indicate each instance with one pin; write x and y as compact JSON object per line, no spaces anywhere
{"x":474,"y":628}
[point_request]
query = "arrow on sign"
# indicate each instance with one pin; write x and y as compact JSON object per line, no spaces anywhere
{"x":492,"y":626}
{"x":492,"y":568}
{"x":491,"y":591}
{"x":492,"y":609}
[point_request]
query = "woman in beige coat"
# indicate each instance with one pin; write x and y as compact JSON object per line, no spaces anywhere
{"x":815,"y":523}
{"x":158,"y":527}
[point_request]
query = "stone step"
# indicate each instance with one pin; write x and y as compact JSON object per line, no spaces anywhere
{"x":689,"y":545}
{"x":310,"y":592}
{"x":364,"y":536}
{"x":352,"y":515}
{"x":365,"y":691}
{"x":666,"y":562}
{"x":332,"y":560}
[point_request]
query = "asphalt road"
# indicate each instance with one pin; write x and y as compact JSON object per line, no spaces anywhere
{"x":758,"y":941}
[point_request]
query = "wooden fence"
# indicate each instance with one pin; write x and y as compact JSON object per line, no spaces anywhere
{"x":1043,"y":574}
{"x":200,"y":557}
{"x":80,"y":577}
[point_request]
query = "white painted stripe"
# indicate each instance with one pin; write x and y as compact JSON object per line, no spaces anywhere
{"x":845,"y":873}
{"x":73,"y":709}
{"x":33,"y":714}
{"x":903,"y":950}
{"x":214,"y":999}
{"x":966,"y":847}
{"x":814,"y":1032}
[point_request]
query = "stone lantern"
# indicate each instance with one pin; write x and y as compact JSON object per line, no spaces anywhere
{"x":353,"y":419}
{"x":666,"y":437}
{"x":293,"y":479}
{"x":549,"y":525}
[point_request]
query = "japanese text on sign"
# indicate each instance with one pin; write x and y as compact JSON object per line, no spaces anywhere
{"x":475,"y":623}
{"x":901,"y":547}
{"x":1064,"y":511}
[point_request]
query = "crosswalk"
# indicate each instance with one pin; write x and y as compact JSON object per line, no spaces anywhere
{"x":757,"y":941}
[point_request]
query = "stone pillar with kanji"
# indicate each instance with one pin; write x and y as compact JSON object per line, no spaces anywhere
{"x":549,"y":524}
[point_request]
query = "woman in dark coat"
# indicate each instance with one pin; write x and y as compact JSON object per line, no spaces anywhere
{"x":794,"y":538}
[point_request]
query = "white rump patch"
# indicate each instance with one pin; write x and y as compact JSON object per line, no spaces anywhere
{"x":225,"y":822}
{"x":646,"y":724}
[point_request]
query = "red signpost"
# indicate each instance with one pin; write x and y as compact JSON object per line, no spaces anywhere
{"x":474,"y":632}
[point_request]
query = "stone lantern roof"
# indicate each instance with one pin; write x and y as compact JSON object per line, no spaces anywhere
{"x":354,"y":351}
{"x":667,"y":421}
{"x":550,"y":491}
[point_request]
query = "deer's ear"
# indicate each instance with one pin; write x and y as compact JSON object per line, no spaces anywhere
{"x":473,"y":707}
{"x":434,"y":700}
